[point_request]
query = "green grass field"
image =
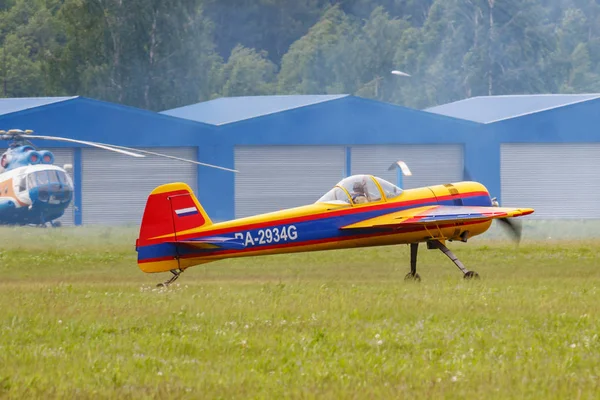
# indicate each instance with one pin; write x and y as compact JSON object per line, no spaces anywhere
{"x":80,"y":320}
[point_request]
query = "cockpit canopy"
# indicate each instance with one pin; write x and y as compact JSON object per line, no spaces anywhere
{"x":360,"y":189}
{"x":43,"y":177}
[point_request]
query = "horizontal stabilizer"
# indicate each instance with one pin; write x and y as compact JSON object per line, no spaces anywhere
{"x":432,"y":215}
{"x":214,"y":242}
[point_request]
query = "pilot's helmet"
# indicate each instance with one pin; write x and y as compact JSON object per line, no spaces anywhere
{"x":358,"y":187}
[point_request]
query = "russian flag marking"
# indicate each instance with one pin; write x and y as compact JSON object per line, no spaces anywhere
{"x":184,"y":212}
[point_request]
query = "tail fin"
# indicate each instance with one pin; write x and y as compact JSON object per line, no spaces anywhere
{"x":170,"y":210}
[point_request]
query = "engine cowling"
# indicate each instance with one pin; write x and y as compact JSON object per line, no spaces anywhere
{"x":33,"y":157}
{"x":46,"y":157}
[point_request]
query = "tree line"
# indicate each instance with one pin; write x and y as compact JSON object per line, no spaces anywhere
{"x":161,"y":54}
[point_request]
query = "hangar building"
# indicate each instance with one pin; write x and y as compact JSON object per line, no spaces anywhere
{"x":545,"y":150}
{"x":535,"y":150}
{"x":110,"y":188}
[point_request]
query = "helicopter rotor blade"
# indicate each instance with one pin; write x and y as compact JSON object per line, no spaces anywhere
{"x":126,"y":150}
{"x":93,"y":144}
{"x":171,"y":157}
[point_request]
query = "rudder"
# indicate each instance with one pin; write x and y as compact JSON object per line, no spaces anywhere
{"x":170,"y":210}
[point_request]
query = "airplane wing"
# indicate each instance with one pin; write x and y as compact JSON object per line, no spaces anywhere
{"x":433,"y":215}
{"x":213,"y":242}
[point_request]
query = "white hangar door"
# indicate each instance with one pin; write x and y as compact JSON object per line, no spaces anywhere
{"x":115,"y":187}
{"x":272,"y":178}
{"x":64,"y":156}
{"x":429,"y":164}
{"x":560,"y":181}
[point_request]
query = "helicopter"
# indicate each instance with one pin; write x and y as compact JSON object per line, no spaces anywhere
{"x":34,"y":191}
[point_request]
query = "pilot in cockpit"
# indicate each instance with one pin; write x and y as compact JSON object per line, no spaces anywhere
{"x":359,"y":195}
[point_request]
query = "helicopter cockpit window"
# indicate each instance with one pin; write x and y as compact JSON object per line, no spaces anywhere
{"x":53,"y":176}
{"x":39,"y":178}
{"x":64,"y":179}
{"x":42,"y":177}
{"x":362,"y":189}
{"x":335,"y":196}
{"x":390,"y":190}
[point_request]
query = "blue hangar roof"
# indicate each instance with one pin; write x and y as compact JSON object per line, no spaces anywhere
{"x":226,"y":110}
{"x":11,"y":105}
{"x":96,"y":120}
{"x":488,"y":109}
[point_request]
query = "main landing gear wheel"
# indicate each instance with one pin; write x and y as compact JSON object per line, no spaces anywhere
{"x":176,"y":273}
{"x":471,"y":275}
{"x":412,"y":277}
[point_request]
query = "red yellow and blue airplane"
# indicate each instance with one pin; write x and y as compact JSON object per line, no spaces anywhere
{"x":360,"y":211}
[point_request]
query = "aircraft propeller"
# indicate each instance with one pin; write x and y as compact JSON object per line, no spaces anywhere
{"x":18,"y":134}
{"x":513,"y":227}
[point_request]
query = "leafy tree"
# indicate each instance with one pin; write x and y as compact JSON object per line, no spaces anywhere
{"x":248,"y":72}
{"x":577,"y":67}
{"x":306,"y":67}
{"x":29,"y":34}
{"x":149,"y":53}
{"x":270,"y":25}
{"x":162,"y":54}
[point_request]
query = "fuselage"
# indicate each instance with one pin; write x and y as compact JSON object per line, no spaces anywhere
{"x":34,"y":194}
{"x":318,"y":227}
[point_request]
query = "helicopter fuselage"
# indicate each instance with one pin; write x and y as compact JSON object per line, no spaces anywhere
{"x":34,"y":194}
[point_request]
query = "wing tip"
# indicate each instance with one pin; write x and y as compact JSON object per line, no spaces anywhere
{"x":525,"y":211}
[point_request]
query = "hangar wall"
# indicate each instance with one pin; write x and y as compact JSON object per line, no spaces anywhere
{"x":558,"y":180}
{"x":556,"y":152}
{"x":430,"y":164}
{"x":115,"y":186}
{"x":273,"y":178}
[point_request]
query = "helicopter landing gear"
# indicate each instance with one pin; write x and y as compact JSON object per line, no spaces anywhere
{"x":53,"y":224}
{"x":176,"y":273}
{"x":436,"y":244}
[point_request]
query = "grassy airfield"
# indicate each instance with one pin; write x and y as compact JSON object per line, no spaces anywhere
{"x":80,"y":320}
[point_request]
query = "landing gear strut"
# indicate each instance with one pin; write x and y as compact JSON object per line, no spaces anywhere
{"x":412,"y":275}
{"x":436,"y":244}
{"x":176,"y":273}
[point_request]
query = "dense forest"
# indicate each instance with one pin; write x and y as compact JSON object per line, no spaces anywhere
{"x":160,"y":54}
